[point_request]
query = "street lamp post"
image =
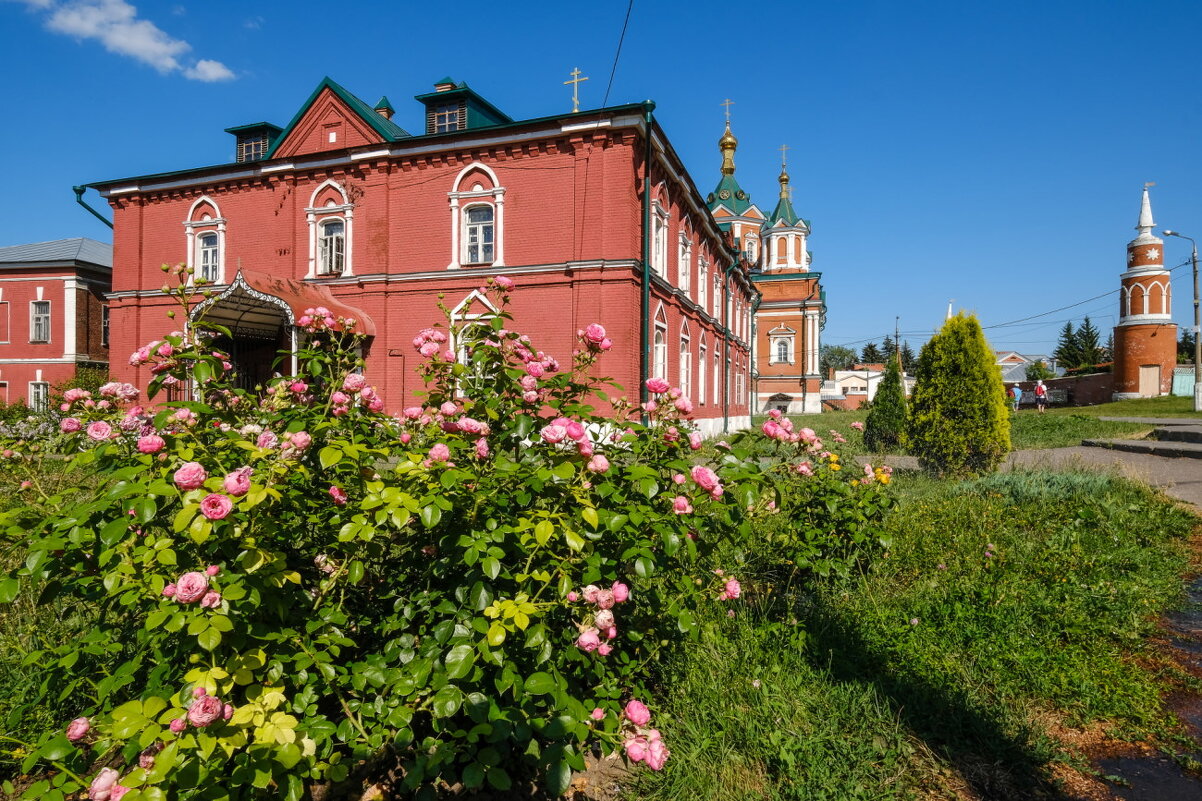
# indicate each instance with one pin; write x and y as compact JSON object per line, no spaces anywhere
{"x":1197,"y":338}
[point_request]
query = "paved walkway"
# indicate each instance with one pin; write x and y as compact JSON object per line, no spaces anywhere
{"x":1179,"y":478}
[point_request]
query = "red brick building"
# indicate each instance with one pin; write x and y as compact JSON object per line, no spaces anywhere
{"x":786,"y":320}
{"x":344,"y":206}
{"x":53,"y":317}
{"x":1145,"y":339}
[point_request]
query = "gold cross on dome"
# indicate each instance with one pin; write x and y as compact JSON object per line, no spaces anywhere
{"x":576,"y":79}
{"x":783,"y":152}
{"x":728,"y":103}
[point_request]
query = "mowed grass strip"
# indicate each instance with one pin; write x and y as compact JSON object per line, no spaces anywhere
{"x":1002,"y":600}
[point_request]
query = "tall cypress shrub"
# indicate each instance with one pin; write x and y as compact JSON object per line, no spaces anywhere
{"x":959,"y":424}
{"x":886,"y":423}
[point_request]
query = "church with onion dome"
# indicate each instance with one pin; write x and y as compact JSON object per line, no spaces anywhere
{"x":791,"y":310}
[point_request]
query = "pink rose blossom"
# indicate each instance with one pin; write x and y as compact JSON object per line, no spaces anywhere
{"x":637,"y":713}
{"x":69,"y":425}
{"x":620,"y":592}
{"x":267,"y":440}
{"x":598,"y":714}
{"x":594,"y":334}
{"x":605,"y":599}
{"x":354,"y":382}
{"x":298,"y":387}
{"x":605,"y":649}
{"x":169,"y":591}
{"x":590,"y":593}
{"x":190,"y":476}
{"x":683,"y":405}
{"x":216,"y":507}
{"x":406,"y":438}
{"x":204,"y":711}
{"x":178,"y":725}
{"x":237,"y":483}
{"x":102,"y":786}
{"x":805,"y":469}
{"x":338,"y":496}
{"x":636,"y":749}
{"x":482,"y":448}
{"x":146,"y":758}
{"x":603,"y":619}
{"x":573,"y":597}
{"x":695,"y":441}
{"x":300,"y":440}
{"x":588,"y":641}
{"x":530,"y":396}
{"x":212,"y":600}
{"x":706,"y":479}
{"x":657,"y":385}
{"x":535,"y":369}
{"x":191,"y":587}
{"x":78,"y":728}
{"x":681,"y":505}
{"x":212,"y":570}
{"x":505,"y":282}
{"x":857,"y":425}
{"x":553,"y":434}
{"x":151,"y":443}
{"x":611,"y":632}
{"x":439,"y":453}
{"x":99,"y":430}
{"x":657,"y":752}
{"x":528,"y":382}
{"x":598,"y":464}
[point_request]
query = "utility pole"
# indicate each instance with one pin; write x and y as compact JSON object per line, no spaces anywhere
{"x":897,"y":342}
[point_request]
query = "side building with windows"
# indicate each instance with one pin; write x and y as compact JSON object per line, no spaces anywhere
{"x":53,"y":315}
{"x":344,"y":208}
{"x":785,"y":321}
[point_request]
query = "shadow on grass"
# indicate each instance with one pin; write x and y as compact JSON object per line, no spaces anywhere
{"x":995,"y":764}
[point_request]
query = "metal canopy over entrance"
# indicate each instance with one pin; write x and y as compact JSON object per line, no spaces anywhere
{"x":260,"y":312}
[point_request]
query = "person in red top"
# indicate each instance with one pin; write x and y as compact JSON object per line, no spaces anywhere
{"x":1041,"y":396}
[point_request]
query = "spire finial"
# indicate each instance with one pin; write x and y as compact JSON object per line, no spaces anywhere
{"x":786,"y":192}
{"x":728,"y":144}
{"x":1146,"y":223}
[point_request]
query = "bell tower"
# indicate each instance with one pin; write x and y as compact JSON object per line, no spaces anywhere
{"x":1145,"y":339}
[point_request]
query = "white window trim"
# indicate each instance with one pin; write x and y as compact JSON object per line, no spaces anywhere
{"x":463,"y":256}
{"x":703,"y":279}
{"x":321,"y":224}
{"x":315,"y":216}
{"x":194,"y":228}
{"x":45,"y":401}
{"x":496,"y":195}
{"x":702,"y":357}
{"x":659,"y":239}
{"x":684,"y":264}
{"x":685,"y":361}
{"x":49,"y":322}
{"x":717,"y":393}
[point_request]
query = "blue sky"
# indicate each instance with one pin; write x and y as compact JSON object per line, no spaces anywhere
{"x":990,"y":153}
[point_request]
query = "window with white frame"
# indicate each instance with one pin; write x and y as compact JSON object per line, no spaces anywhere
{"x":782,"y":349}
{"x":751,"y":248}
{"x":659,"y":240}
{"x":39,"y":396}
{"x":205,"y":233}
{"x":104,"y":326}
{"x":659,"y":366}
{"x":39,"y":321}
{"x":331,"y":247}
{"x":684,"y":264}
{"x":208,"y":257}
{"x":686,"y":361}
{"x":702,"y":353}
{"x":726,"y":390}
{"x":478,"y":234}
{"x":703,"y":280}
{"x":718,"y":296}
{"x":717,"y":374}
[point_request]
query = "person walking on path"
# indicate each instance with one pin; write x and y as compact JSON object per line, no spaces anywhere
{"x":1018,"y":396}
{"x":1041,"y":397}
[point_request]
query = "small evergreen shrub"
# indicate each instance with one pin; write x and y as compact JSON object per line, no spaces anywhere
{"x":959,"y":424}
{"x":886,"y":424}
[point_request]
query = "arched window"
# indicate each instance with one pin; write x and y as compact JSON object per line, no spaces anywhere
{"x":331,"y":220}
{"x":477,"y":202}
{"x":686,"y":361}
{"x":660,"y":367}
{"x":703,"y":280}
{"x":331,"y":247}
{"x":478,"y":234}
{"x":782,"y":350}
{"x":659,"y":240}
{"x":684,"y":264}
{"x":702,"y":355}
{"x":208,"y":257}
{"x":205,"y":233}
{"x":751,"y":248}
{"x":717,"y":375}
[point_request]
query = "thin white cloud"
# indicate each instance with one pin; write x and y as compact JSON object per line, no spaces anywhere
{"x":254,"y":23}
{"x":115,"y":24}
{"x":209,"y":71}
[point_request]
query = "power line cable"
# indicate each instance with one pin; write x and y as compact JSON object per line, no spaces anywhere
{"x":621,"y":39}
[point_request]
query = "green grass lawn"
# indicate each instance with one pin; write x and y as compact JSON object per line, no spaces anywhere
{"x":1169,"y":406}
{"x":1003,"y":601}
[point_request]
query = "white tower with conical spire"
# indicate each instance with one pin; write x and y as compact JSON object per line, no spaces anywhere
{"x":1145,"y":339}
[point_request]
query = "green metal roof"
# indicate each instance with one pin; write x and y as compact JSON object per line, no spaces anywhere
{"x":384,"y":105}
{"x":783,"y":212}
{"x":480,"y":111}
{"x":728,"y":193}
{"x":254,"y":126}
{"x":761,"y":276}
{"x":384,"y":127}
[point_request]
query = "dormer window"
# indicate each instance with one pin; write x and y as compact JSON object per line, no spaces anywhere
{"x":252,"y":148}
{"x":445,"y":117}
{"x":254,"y":140}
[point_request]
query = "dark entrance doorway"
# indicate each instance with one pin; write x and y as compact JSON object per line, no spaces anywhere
{"x":260,"y":333}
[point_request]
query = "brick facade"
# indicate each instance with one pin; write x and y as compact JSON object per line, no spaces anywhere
{"x":565,"y":195}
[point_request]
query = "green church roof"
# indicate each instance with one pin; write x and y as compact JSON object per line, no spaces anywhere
{"x":387,"y":129}
{"x":728,"y":193}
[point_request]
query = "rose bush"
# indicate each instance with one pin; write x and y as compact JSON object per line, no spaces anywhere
{"x":293,"y":589}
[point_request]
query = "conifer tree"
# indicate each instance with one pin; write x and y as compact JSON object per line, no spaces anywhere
{"x":889,"y":349}
{"x":1088,"y":345}
{"x":959,"y":424}
{"x":886,"y":423}
{"x":871,"y":354}
{"x":907,"y":357}
{"x":1067,"y":354}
